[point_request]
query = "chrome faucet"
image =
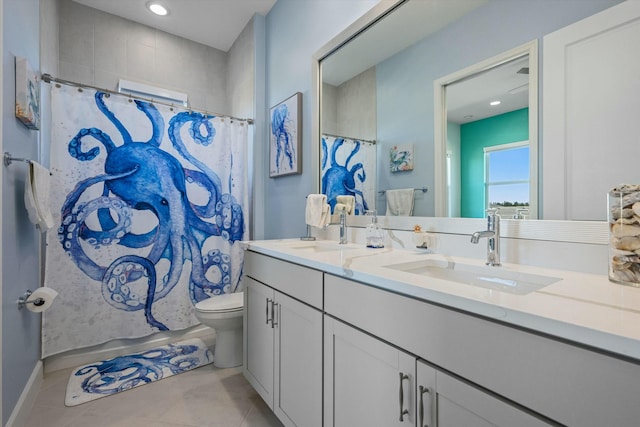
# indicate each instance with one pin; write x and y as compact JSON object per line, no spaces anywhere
{"x":492,"y":233}
{"x":343,"y":227}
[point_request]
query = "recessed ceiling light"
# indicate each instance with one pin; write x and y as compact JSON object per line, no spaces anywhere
{"x":493,"y":103}
{"x":468,"y":116}
{"x":157,"y":8}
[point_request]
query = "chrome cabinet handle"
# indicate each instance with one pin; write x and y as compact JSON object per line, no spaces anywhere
{"x":274,"y":321}
{"x":403,"y":411}
{"x":423,"y":390}
{"x":269,"y":301}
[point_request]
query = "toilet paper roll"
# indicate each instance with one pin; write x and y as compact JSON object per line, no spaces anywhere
{"x":41,"y":299}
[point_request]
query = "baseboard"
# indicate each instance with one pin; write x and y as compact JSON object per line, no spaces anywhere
{"x":27,"y":397}
{"x":83,"y":356}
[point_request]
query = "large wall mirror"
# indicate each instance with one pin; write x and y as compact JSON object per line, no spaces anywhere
{"x":404,"y":85}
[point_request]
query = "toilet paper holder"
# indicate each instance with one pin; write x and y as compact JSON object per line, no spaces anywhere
{"x":24,"y":300}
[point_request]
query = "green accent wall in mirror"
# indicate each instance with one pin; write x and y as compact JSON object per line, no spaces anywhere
{"x":474,"y":138}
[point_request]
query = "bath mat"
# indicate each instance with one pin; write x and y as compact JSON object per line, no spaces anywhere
{"x":122,"y":373}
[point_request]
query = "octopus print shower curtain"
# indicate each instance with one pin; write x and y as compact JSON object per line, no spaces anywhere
{"x":151,"y":203}
{"x":348,"y":167}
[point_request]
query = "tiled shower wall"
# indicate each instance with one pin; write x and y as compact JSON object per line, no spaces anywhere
{"x":97,"y":48}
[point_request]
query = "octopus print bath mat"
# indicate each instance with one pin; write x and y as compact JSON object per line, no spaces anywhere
{"x":122,"y":373}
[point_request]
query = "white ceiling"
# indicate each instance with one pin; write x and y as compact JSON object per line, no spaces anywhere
{"x":215,"y":23}
{"x":468,"y":100}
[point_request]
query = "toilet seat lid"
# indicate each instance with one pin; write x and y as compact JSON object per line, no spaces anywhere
{"x":224,"y":302}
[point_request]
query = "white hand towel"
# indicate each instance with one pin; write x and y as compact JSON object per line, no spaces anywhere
{"x":349,"y":203}
{"x":340,"y":207}
{"x":326,"y":215}
{"x":400,"y":202}
{"x":314,"y":213}
{"x":36,"y":196}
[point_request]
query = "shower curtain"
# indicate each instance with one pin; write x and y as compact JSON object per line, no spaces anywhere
{"x":151,"y":203}
{"x":349,"y":168}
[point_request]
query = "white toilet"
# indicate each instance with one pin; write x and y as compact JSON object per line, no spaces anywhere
{"x":224,"y":314}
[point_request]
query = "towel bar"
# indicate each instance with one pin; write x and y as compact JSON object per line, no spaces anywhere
{"x":423,"y":189}
{"x":8,"y":159}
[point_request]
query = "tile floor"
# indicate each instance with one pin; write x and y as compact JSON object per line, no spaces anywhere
{"x":203,"y":397}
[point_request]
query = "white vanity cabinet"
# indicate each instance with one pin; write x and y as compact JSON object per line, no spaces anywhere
{"x":283,"y":338}
{"x":324,"y":349}
{"x":371,"y":383}
{"x":514,"y":372}
{"x":366,"y":381}
{"x":259,"y":337}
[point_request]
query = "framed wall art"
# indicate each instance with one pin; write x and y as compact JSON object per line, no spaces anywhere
{"x":401,"y":158}
{"x":27,"y":94}
{"x":285,"y":137}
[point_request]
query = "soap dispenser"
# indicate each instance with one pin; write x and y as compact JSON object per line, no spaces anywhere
{"x":374,"y":234}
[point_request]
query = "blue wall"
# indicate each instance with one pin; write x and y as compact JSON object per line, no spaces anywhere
{"x":295,"y":31}
{"x":405,"y":81}
{"x":20,"y":239}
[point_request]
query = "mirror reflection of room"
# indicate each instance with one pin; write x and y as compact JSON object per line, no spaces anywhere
{"x":348,"y":152}
{"x":488,"y":142}
{"x":405,"y":69}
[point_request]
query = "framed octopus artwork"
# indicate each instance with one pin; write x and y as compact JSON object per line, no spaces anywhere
{"x":285,"y":137}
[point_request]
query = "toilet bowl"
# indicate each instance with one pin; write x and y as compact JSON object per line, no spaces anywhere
{"x":224,"y":314}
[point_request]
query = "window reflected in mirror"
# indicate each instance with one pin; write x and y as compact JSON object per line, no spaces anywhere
{"x":506,"y":181}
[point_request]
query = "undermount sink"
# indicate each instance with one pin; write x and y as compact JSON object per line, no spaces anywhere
{"x":321,"y":246}
{"x":494,"y":278}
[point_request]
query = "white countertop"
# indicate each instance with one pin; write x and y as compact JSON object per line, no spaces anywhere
{"x":582,"y":308}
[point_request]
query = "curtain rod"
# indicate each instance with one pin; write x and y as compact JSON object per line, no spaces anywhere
{"x":370,"y":141}
{"x":48,"y":78}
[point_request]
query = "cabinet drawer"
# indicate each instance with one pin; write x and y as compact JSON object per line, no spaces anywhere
{"x":302,"y":283}
{"x":460,"y":404}
{"x":569,"y":384}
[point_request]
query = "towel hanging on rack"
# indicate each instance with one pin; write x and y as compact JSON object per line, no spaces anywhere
{"x":348,"y":203}
{"x":36,"y":196}
{"x":400,"y":202}
{"x":317,"y":211}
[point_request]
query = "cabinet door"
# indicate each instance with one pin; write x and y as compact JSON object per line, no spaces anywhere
{"x":459,"y":404}
{"x":298,"y":367}
{"x":367,"y":382}
{"x":258,"y":338}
